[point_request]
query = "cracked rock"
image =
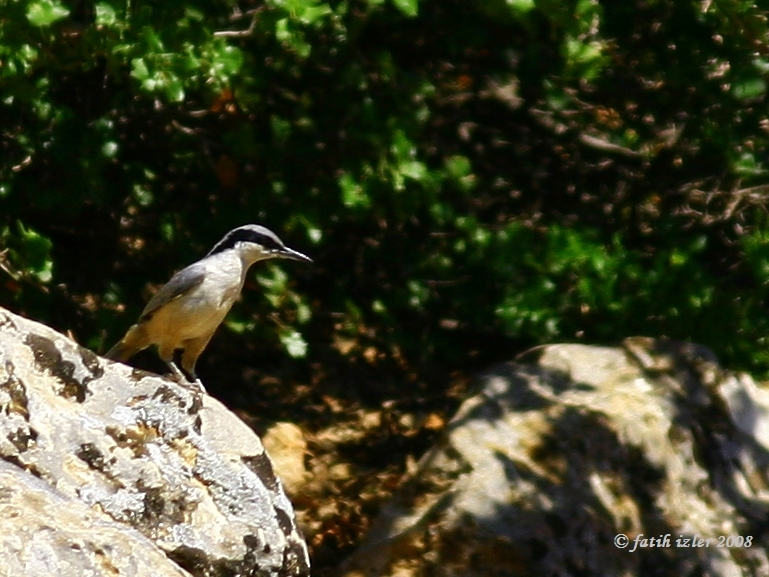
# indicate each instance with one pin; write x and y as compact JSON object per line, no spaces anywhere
{"x":130,"y":449}
{"x":574,"y":446}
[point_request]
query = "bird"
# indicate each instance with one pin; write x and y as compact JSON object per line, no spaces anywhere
{"x":184,"y":314}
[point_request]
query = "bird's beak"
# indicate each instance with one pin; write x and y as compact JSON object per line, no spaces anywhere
{"x":291,"y":254}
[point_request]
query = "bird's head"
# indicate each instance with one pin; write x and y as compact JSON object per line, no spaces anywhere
{"x":253,"y":242}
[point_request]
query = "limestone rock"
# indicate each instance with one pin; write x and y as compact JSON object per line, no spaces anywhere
{"x":572,"y":446}
{"x":150,"y":454}
{"x":287,"y":447}
{"x":43,"y":532}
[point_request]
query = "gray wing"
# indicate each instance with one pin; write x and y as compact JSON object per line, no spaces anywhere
{"x":181,"y":283}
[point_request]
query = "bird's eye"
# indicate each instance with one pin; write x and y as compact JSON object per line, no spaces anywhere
{"x":271,"y":246}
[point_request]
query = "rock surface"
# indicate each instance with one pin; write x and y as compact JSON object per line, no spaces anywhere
{"x":287,"y":447}
{"x":145,"y":453}
{"x":43,"y":532}
{"x":572,"y":447}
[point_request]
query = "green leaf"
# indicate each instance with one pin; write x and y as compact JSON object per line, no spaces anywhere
{"x":407,"y":7}
{"x":521,"y":6}
{"x":239,"y":326}
{"x":353,"y":194}
{"x":105,"y":14}
{"x":274,"y":280}
{"x":414,"y":169}
{"x":143,"y":194}
{"x":45,"y":12}
{"x":194,"y":14}
{"x":458,"y":166}
{"x":286,"y":33}
{"x":402,"y":147}
{"x":110,"y":149}
{"x":152,"y":38}
{"x":303,"y":311}
{"x":139,"y":69}
{"x":36,"y":251}
{"x":460,"y":170}
{"x":748,"y":165}
{"x":749,"y":88}
{"x":281,"y":128}
{"x":228,"y":60}
{"x":295,"y":345}
{"x":585,"y":59}
{"x":174,"y":88}
{"x":314,"y":13}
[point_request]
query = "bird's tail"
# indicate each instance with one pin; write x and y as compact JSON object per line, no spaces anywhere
{"x":134,"y":341}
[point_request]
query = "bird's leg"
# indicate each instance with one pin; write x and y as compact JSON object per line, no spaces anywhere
{"x":176,"y":372}
{"x":190,"y":354}
{"x":183,"y":375}
{"x":186,"y":379}
{"x":193,"y":379}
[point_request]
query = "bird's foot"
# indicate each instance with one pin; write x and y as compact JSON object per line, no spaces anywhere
{"x":194,"y":384}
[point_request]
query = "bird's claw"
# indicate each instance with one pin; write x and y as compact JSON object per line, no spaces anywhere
{"x":195,"y":385}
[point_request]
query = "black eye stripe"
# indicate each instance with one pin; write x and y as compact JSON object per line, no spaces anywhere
{"x":248,"y":235}
{"x":267,"y":242}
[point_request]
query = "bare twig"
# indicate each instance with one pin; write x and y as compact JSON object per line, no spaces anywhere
{"x":240,"y":33}
{"x":548,"y":121}
{"x":5,"y":265}
{"x":23,"y":164}
{"x":607,"y":146}
{"x":236,"y":33}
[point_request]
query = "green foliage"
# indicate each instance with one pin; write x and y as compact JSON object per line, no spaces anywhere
{"x":45,"y":12}
{"x":27,"y":255}
{"x":471,"y":178}
{"x":609,"y":285}
{"x":407,"y":7}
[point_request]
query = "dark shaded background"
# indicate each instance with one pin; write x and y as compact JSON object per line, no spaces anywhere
{"x":472,"y":178}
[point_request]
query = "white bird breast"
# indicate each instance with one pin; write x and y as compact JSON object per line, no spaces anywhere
{"x":201,"y":310}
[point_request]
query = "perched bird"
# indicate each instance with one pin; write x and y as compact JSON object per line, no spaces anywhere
{"x":183,"y":316}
